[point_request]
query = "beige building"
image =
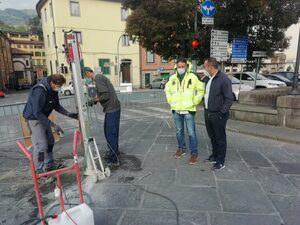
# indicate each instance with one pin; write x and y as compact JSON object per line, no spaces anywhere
{"x":100,"y":25}
{"x":32,"y":44}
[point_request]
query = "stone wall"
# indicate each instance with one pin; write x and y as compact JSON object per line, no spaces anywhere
{"x":268,"y":106}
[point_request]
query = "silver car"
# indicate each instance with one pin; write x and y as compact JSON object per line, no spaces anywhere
{"x":158,"y":83}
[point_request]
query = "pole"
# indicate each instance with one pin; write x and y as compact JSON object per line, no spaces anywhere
{"x":295,"y":90}
{"x":194,"y":62}
{"x":242,"y":69}
{"x":81,"y":104}
{"x":118,"y":81}
{"x":257,"y":70}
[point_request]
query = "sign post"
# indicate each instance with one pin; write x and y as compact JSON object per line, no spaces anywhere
{"x":258,"y":55}
{"x":239,"y":52}
{"x":208,"y":10}
{"x":218,"y":45}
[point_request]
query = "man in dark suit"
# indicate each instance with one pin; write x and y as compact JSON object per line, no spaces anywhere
{"x":218,"y":99}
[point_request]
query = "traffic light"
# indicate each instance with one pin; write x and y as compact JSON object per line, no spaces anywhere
{"x":61,"y":69}
{"x":195,"y":43}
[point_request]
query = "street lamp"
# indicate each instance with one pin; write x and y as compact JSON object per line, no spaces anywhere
{"x":294,"y":90}
{"x":125,"y":42}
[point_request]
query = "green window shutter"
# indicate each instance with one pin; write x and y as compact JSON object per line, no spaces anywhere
{"x":105,"y":69}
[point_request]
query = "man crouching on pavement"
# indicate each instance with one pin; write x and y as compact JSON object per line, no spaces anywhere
{"x":43,"y":98}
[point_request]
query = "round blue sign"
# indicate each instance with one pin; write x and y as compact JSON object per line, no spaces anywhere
{"x":208,"y":8}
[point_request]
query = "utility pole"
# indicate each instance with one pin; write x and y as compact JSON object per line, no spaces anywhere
{"x":295,"y":90}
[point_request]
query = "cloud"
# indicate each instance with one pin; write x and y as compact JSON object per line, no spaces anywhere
{"x":18,"y":4}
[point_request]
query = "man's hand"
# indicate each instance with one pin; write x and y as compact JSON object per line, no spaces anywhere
{"x":73,"y":115}
{"x":93,"y":101}
{"x":58,"y":130}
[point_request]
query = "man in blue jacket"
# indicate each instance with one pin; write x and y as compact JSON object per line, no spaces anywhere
{"x":42,"y":100}
{"x":218,"y":99}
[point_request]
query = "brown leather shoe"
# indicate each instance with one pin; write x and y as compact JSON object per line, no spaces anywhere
{"x":193,"y":159}
{"x":179,"y":153}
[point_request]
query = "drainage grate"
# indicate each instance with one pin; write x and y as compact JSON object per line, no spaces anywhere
{"x":166,"y":140}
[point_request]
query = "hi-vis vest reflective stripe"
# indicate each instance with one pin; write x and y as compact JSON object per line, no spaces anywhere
{"x":185,"y":95}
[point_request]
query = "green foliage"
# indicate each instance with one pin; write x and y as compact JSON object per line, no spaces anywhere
{"x":35,"y":26}
{"x":14,"y":17}
{"x":167,"y":26}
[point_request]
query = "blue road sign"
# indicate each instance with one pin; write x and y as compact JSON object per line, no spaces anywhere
{"x":239,"y":49}
{"x":208,"y":8}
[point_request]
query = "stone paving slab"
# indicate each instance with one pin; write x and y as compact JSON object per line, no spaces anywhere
{"x":277,"y":154}
{"x":162,"y":217}
{"x":163,"y":160}
{"x":186,"y":198}
{"x":296,"y":181}
{"x":196,"y":176}
{"x":107,"y":216}
{"x":254,"y":159}
{"x":288,"y":207}
{"x":235,"y":171}
{"x":288,"y":168}
{"x":274,"y":182}
{"x":116,"y":195}
{"x":243,"y":219}
{"x":243,"y":197}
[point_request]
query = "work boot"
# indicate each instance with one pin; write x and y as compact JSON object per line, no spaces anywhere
{"x":54,"y":166}
{"x":193,"y":159}
{"x":46,"y":180}
{"x":179,"y":153}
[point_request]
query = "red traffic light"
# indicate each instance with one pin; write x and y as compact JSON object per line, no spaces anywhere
{"x":195,"y":43}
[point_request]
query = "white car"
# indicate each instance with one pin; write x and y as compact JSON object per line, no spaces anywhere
{"x":67,"y":89}
{"x":261,"y":81}
{"x":237,"y":87}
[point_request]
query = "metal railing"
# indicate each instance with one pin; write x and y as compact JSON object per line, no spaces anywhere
{"x":11,"y":130}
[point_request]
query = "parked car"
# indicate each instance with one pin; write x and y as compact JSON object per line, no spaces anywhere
{"x":287,"y":74}
{"x":67,"y":89}
{"x":2,"y":94}
{"x":236,"y":87}
{"x":279,"y":78}
{"x":158,"y":83}
{"x":261,"y":81}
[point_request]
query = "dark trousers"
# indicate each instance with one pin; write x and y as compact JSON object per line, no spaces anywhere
{"x":215,"y":123}
{"x":111,"y":132}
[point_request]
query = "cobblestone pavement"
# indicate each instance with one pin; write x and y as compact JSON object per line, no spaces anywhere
{"x":260,"y":184}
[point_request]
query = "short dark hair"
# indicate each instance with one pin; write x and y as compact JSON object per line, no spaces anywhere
{"x":57,"y":79}
{"x":181,"y":59}
{"x":212,"y":62}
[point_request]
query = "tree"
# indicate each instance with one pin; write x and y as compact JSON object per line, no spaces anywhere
{"x":35,"y":26}
{"x":4,"y":27}
{"x":166,"y":27}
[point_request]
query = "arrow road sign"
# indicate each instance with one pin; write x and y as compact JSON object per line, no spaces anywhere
{"x":259,"y":54}
{"x":239,"y":49}
{"x":219,"y":32}
{"x":208,"y":8}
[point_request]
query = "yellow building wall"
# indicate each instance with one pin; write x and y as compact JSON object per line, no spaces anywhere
{"x":101,"y":26}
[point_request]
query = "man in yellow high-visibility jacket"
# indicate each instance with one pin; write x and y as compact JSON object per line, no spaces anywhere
{"x":184,"y":91}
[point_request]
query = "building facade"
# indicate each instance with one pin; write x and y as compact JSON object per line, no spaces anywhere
{"x":100,"y":26}
{"x":6,"y":66}
{"x":154,"y":66}
{"x":23,"y":71}
{"x":32,"y":44}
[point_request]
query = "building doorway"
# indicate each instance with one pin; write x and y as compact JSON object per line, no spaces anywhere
{"x":126,"y":72}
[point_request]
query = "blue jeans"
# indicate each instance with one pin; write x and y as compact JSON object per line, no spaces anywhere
{"x":189,"y":120}
{"x":111,"y":132}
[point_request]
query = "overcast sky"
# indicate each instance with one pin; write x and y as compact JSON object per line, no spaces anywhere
{"x":293,"y":30}
{"x":18,"y":4}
